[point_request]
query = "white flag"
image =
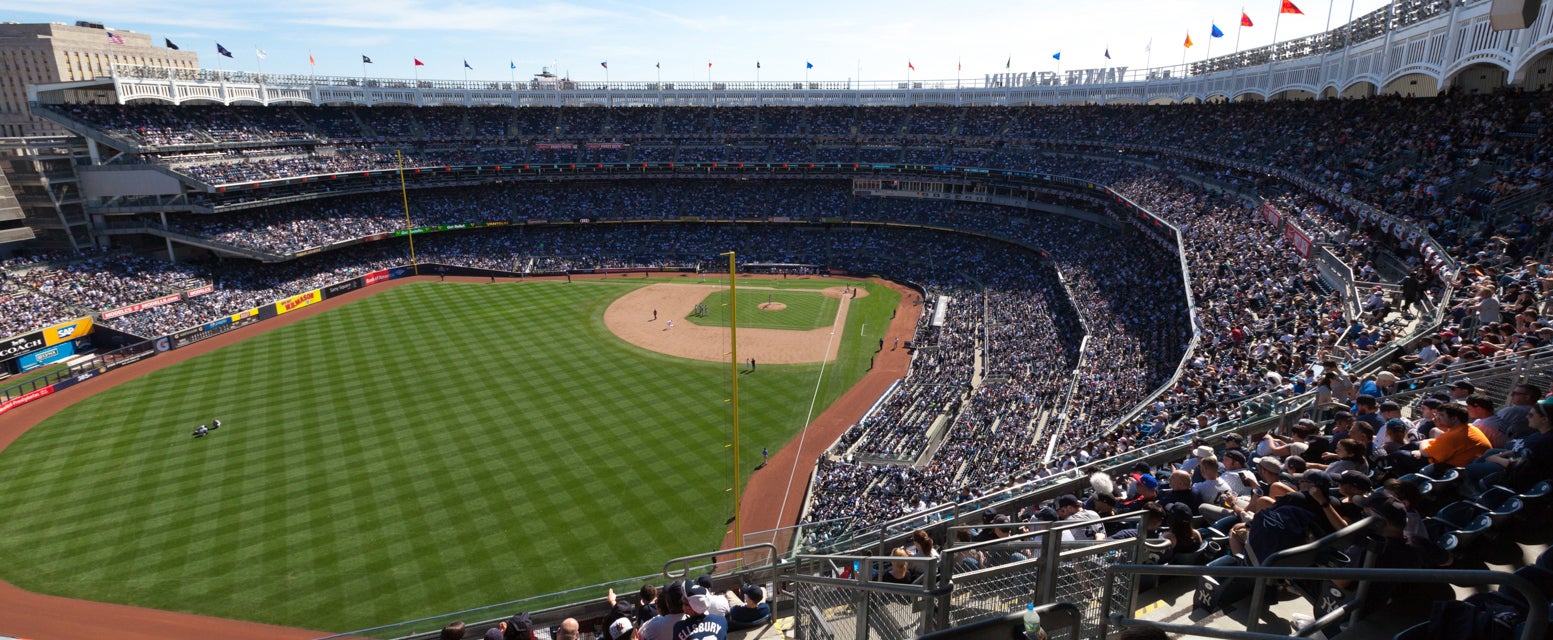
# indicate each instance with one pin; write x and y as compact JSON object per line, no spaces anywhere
{"x":1149,"y":48}
{"x":260,"y":52}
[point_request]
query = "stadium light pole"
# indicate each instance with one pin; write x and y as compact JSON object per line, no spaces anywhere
{"x":405,"y":194}
{"x":733,"y":368}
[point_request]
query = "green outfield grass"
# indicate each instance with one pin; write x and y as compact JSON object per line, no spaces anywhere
{"x":429,"y":449}
{"x":805,"y":309}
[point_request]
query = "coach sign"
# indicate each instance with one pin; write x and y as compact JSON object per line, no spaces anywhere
{"x":24,"y":344}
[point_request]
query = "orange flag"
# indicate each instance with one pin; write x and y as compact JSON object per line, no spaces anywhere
{"x":1188,"y":40}
{"x":1245,"y":20}
{"x":1288,"y":7}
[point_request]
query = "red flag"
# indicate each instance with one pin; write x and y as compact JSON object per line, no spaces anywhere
{"x":708,"y":64}
{"x":418,"y":62}
{"x":1188,"y":41}
{"x":1245,"y":20}
{"x":310,"y":59}
{"x":911,"y":66}
{"x":1288,"y":7}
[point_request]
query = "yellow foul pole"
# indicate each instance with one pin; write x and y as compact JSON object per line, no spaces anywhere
{"x":406,"y":195}
{"x":733,"y":367}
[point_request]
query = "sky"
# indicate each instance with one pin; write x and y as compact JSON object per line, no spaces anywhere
{"x":865,"y":40}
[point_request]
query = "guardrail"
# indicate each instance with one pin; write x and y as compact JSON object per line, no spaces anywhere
{"x":1535,"y":627}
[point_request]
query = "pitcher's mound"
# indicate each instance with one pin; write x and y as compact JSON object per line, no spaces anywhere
{"x":772,"y":306}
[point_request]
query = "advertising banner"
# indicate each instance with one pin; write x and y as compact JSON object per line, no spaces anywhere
{"x":1270,"y":214}
{"x":67,"y":331}
{"x":298,"y":301}
{"x":149,"y":304}
{"x":340,"y":288}
{"x":376,"y":277}
{"x":401,"y":272}
{"x":212,"y":329}
{"x":1297,"y":239}
{"x":25,"y":398}
{"x":131,"y":358}
{"x":195,"y":293}
{"x":45,"y":356}
{"x":22,"y":344}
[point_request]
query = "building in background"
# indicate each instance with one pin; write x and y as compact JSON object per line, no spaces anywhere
{"x":39,"y":197}
{"x":56,"y":53}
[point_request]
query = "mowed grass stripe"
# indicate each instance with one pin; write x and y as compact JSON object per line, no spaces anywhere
{"x":432,"y":448}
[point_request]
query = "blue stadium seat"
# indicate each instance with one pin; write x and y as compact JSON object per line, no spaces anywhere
{"x":1501,"y":504}
{"x":1462,"y":522}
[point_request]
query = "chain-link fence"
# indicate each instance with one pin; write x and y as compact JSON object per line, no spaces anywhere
{"x":1081,"y":576}
{"x":993,"y":591}
{"x":824,"y":612}
{"x":865,"y":601}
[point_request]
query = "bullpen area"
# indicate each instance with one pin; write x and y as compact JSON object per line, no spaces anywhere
{"x":435,"y":447}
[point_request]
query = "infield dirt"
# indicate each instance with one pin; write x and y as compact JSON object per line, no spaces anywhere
{"x":642,"y":318}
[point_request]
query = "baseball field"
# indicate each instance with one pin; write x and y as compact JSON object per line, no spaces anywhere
{"x":435,"y":447}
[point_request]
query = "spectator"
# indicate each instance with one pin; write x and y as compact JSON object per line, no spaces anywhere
{"x":1458,"y":444}
{"x":753,"y":612}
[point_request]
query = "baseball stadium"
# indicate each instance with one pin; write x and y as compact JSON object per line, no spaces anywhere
{"x":317,"y":356}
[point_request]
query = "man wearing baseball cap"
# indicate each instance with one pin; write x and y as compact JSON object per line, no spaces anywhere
{"x":698,"y":623}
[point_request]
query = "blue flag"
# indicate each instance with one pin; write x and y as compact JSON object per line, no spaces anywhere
{"x":808,"y":65}
{"x":1057,"y":56}
{"x":466,"y":65}
{"x":1107,"y":53}
{"x":366,"y":60}
{"x":513,"y":64}
{"x":1216,"y":32}
{"x":222,"y":50}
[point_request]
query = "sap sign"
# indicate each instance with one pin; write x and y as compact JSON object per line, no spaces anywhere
{"x":52,"y":354}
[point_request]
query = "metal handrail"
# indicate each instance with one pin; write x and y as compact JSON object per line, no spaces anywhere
{"x":669,"y":569}
{"x":1535,"y":627}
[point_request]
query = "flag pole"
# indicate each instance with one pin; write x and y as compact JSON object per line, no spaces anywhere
{"x":1271,"y":52}
{"x":1239,"y":28}
{"x":1184,"y":50}
{"x":1208,"y":50}
{"x":258,"y":60}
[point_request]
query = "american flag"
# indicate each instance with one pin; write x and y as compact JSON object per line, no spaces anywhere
{"x":114,"y":38}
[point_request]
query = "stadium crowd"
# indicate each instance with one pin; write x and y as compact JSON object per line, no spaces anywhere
{"x":1265,"y":322}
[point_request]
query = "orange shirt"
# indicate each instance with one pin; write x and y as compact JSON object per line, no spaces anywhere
{"x":1458,"y":447}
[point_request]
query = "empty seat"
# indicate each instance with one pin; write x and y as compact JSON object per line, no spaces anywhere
{"x":1444,"y":477}
{"x":1500,"y":502}
{"x":1462,"y":522}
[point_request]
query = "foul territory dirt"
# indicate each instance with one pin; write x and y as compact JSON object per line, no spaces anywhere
{"x":771,"y":499}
